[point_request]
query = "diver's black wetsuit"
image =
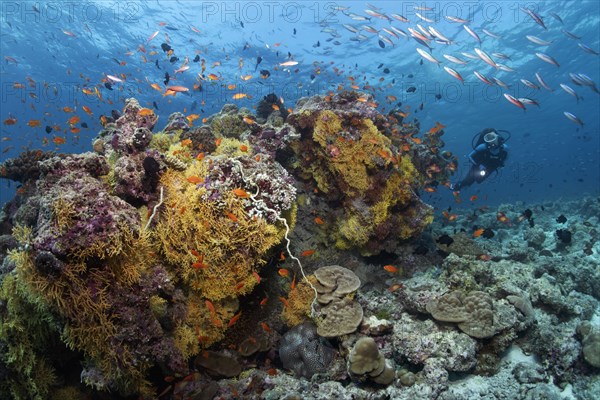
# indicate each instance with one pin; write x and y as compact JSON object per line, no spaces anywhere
{"x":485,"y":159}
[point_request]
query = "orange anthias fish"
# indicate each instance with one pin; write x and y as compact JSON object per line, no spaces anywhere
{"x":319,"y":221}
{"x":448,"y":216}
{"x":265,"y":327}
{"x":241,"y":193}
{"x":34,"y":123}
{"x":59,"y":140}
{"x":284,"y":301}
{"x":284,"y":273}
{"x":436,"y":128}
{"x":156,"y":87}
{"x":234,"y":319}
{"x":192,"y":117}
{"x":307,"y":253}
{"x":210,"y":306}
{"x":478,"y":232}
{"x":248,"y":120}
{"x":395,"y":287}
{"x":195,"y":179}
{"x":145,"y":112}
{"x":195,"y":253}
{"x":500,"y":216}
{"x":231,"y":216}
{"x":390,"y":268}
{"x":177,"y":89}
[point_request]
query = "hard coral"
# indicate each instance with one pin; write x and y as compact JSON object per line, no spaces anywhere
{"x":177,"y":123}
{"x":591,"y":343}
{"x":366,"y":361}
{"x":304,"y":352}
{"x":266,"y":109}
{"x":136,"y":177}
{"x":474,"y":312}
{"x":78,"y":218}
{"x":337,"y":312}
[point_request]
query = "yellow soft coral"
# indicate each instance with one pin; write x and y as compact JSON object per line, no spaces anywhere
{"x":352,"y":159}
{"x":361,"y":220}
{"x":89,"y":324}
{"x":25,"y":326}
{"x":232,"y":147}
{"x":353,"y":231}
{"x":297,"y":309}
{"x":213,"y":247}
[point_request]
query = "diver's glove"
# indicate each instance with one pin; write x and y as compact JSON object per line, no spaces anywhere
{"x":481,"y":167}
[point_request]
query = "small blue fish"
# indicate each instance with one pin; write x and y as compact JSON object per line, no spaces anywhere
{"x":547,"y":58}
{"x":573,"y":118}
{"x":587,"y":49}
{"x":557,"y":17}
{"x":569,"y":90}
{"x":534,"y":16}
{"x":570,"y":35}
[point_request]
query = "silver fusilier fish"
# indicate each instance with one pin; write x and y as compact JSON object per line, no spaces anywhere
{"x":547,"y":58}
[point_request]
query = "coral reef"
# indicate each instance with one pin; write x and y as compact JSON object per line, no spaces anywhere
{"x":590,"y":339}
{"x":25,"y":167}
{"x":229,"y":122}
{"x":271,"y":110}
{"x":344,"y":153}
{"x":221,"y":217}
{"x":90,"y":251}
{"x":172,"y":265}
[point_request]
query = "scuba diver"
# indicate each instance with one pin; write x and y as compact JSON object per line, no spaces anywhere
{"x":488,"y":155}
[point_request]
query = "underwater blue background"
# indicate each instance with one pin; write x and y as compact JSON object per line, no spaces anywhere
{"x":67,"y":46}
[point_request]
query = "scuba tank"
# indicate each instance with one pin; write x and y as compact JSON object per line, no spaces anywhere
{"x":503,"y":136}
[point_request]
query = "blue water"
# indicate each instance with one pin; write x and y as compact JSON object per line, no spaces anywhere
{"x":64,"y":47}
